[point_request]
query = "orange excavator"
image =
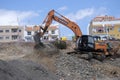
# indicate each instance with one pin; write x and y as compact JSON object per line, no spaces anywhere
{"x":84,"y":43}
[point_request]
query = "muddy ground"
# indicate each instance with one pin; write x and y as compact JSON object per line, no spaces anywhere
{"x":20,"y":61}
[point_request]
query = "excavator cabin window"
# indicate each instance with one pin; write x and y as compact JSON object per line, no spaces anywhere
{"x":86,"y":42}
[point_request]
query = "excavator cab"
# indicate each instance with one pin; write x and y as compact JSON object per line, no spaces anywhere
{"x":86,"y":43}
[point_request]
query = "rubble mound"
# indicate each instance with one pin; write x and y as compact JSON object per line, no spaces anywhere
{"x":24,"y":70}
{"x":70,"y":67}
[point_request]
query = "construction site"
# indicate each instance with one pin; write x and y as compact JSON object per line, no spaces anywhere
{"x":86,"y":57}
{"x":20,"y":61}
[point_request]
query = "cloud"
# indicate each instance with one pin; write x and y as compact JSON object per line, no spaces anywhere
{"x":80,"y":14}
{"x":84,"y":15}
{"x":87,"y":12}
{"x":62,"y":8}
{"x":101,"y":11}
{"x":12,"y":17}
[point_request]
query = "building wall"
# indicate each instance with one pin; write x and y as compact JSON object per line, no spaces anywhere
{"x":11,"y":33}
{"x":108,"y":28}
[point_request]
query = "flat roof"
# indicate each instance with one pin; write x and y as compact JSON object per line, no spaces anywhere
{"x":106,"y":22}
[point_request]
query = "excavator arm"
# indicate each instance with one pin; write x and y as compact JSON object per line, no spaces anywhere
{"x":62,"y":20}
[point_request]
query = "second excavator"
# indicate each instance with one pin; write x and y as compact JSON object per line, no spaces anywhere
{"x":84,"y":43}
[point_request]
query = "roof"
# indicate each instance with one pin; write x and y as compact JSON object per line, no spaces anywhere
{"x":28,"y":28}
{"x":105,"y":18}
{"x":52,"y":28}
{"x":36,"y":28}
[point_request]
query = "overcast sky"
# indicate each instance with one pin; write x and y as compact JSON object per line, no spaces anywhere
{"x":33,"y":12}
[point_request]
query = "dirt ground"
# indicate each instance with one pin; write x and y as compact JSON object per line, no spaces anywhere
{"x":20,"y":61}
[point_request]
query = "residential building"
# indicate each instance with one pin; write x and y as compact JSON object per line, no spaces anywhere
{"x":11,"y":33}
{"x":28,"y":33}
{"x":105,"y":26}
{"x":52,"y":32}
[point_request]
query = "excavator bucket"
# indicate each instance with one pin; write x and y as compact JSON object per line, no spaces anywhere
{"x":38,"y":43}
{"x":37,"y":38}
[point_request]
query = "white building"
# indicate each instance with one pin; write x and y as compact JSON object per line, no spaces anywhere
{"x":11,"y":33}
{"x":28,"y":33}
{"x":105,"y":26}
{"x":52,"y":32}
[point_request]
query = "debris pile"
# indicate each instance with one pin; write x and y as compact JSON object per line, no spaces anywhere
{"x":73,"y":68}
{"x":24,"y":70}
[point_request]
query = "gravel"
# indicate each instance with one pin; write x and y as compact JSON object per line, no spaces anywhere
{"x":73,"y":68}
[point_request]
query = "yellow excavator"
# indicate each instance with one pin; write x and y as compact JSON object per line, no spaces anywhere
{"x":84,"y":43}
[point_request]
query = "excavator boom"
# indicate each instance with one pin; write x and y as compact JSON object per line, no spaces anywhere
{"x":61,"y":19}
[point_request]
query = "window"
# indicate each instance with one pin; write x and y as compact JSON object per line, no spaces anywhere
{"x":79,"y":40}
{"x":54,"y":37}
{"x":1,"y":31}
{"x":14,"y":30}
{"x":20,"y":30}
{"x":53,"y":32}
{"x":100,"y":29}
{"x":118,"y":29}
{"x":14,"y":37}
{"x":28,"y":38}
{"x":6,"y":30}
{"x":91,"y":42}
{"x":1,"y":38}
{"x":7,"y":37}
{"x":45,"y":37}
{"x":28,"y":33}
